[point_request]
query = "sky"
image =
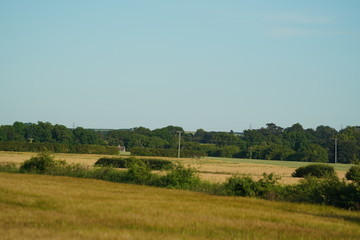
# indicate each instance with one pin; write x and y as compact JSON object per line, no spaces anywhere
{"x":210,"y":64}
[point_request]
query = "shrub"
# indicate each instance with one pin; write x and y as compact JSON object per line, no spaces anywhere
{"x":42,"y":163}
{"x":316,"y":170}
{"x":265,"y":187}
{"x":328,"y":190}
{"x":180,"y":178}
{"x":139,"y":172}
{"x":353,"y":174}
{"x":154,"y":164}
{"x":240,"y":186}
{"x":158,"y":164}
{"x":111,"y":162}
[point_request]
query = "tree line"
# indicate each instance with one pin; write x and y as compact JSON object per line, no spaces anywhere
{"x":271,"y":142}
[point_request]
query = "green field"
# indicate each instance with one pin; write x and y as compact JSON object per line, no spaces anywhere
{"x":48,"y":207}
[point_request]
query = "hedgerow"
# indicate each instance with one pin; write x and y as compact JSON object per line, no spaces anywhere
{"x":315,"y":170}
{"x":329,"y":190}
{"x":164,"y":152}
{"x":154,"y":164}
{"x":57,"y":148}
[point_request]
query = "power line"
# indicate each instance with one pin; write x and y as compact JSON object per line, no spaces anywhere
{"x":179,"y":143}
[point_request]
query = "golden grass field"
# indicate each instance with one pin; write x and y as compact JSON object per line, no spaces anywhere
{"x":50,"y":207}
{"x":212,"y":169}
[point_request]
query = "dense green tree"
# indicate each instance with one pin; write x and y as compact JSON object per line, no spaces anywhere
{"x":7,"y":133}
{"x":295,"y":137}
{"x":86,"y":136}
{"x":227,"y":151}
{"x":315,"y":153}
{"x":19,"y":129}
{"x":142,"y":131}
{"x":62,"y":134}
{"x":271,"y":142}
{"x":168,"y":133}
{"x":348,"y":150}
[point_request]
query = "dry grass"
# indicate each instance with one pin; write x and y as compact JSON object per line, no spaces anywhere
{"x":212,"y":169}
{"x":47,"y":207}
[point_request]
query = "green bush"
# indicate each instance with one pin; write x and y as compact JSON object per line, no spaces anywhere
{"x":328,"y":190}
{"x":266,"y":187}
{"x":111,"y":162}
{"x":241,"y":186}
{"x":138,"y":172}
{"x":353,"y":174}
{"x":40,"y":164}
{"x":154,"y":164}
{"x":180,"y":178}
{"x":316,"y":170}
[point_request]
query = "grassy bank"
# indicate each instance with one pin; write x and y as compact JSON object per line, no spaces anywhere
{"x":50,"y":207}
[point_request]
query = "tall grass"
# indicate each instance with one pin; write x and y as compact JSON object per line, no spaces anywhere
{"x":50,"y":207}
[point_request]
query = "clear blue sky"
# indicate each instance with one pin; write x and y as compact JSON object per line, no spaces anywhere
{"x":216,"y":65}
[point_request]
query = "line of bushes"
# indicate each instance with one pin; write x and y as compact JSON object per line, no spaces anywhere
{"x":138,"y":172}
{"x":329,"y":190}
{"x":166,"y":152}
{"x":153,"y":164}
{"x":58,"y":148}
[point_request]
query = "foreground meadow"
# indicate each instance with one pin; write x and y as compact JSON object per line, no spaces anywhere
{"x":211,"y":169}
{"x":48,"y":207}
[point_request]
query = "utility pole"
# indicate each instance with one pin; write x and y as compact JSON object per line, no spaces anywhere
{"x":179,"y":143}
{"x":335,"y":150}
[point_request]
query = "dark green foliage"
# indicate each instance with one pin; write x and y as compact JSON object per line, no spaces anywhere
{"x":315,"y":170}
{"x":241,"y":186}
{"x":180,"y":178}
{"x":58,"y":148}
{"x":266,"y":187}
{"x":272,"y":142}
{"x":329,"y":190}
{"x":269,"y":152}
{"x":46,"y":132}
{"x":315,"y":153}
{"x":40,"y":164}
{"x":226,"y":151}
{"x":154,"y":164}
{"x":138,"y":173}
{"x":353,"y":174}
{"x":111,"y":162}
{"x":163,"y":152}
